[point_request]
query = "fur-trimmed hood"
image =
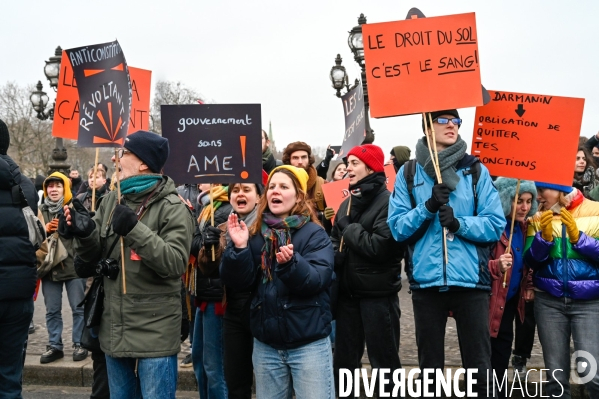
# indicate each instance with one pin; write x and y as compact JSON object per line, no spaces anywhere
{"x":507,"y":191}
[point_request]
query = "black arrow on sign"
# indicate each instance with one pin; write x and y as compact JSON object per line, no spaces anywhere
{"x":520,"y":110}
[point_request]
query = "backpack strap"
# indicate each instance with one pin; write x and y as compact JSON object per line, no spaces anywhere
{"x":409,"y":171}
{"x":474,"y":171}
{"x":318,"y":194}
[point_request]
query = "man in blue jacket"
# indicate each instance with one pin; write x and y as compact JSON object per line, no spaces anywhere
{"x":17,"y":271}
{"x":471,"y":213}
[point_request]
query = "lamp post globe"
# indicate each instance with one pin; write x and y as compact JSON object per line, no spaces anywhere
{"x":338,"y":75}
{"x":52,"y":68}
{"x":39,"y":99}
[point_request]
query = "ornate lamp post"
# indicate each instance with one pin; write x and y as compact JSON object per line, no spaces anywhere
{"x":356,"y":45}
{"x":339,"y":77}
{"x":39,"y":101}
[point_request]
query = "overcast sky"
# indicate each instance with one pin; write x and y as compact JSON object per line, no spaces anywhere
{"x":279,"y":53}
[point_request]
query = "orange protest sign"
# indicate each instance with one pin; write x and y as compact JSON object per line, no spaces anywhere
{"x":517,"y":135}
{"x":390,"y":174}
{"x":66,"y":112}
{"x":423,"y":64}
{"x":335,"y":193}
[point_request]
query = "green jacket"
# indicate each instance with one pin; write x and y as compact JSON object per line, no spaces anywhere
{"x":65,"y":270}
{"x":146,"y":321}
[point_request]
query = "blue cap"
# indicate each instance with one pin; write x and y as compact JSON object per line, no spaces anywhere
{"x":563,"y":189}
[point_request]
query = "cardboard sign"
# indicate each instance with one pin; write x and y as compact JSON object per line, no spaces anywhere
{"x":104,"y":90}
{"x":215,"y":143}
{"x":355,"y":124}
{"x":337,"y":191}
{"x":66,"y":113}
{"x":422,"y":65}
{"x":517,"y":135}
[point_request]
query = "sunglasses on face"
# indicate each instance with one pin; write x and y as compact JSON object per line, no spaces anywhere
{"x":445,"y":121}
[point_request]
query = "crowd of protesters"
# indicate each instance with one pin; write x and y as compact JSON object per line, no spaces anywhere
{"x":278,"y":290}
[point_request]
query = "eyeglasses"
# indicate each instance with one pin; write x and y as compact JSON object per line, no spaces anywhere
{"x":122,"y":152}
{"x":445,"y":121}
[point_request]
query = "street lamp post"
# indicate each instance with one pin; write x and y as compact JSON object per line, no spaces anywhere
{"x":356,"y":44}
{"x":339,"y":77}
{"x":39,"y":101}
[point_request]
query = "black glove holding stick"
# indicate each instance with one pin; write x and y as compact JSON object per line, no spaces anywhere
{"x":439,"y":196}
{"x":211,"y":236}
{"x":124,"y":219}
{"x":447,"y":219}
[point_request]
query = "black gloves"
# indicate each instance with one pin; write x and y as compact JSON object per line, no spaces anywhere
{"x":439,"y":196}
{"x":342,"y":223}
{"x":211,"y":236}
{"x":82,"y":224}
{"x":447,"y":219}
{"x":330,"y":154}
{"x":123,"y":220}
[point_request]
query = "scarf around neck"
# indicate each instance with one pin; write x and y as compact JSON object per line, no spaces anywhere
{"x":364,"y":191}
{"x":277,"y":233}
{"x":448,"y":159}
{"x":54,"y":207}
{"x":219,"y":195}
{"x":139,"y":183}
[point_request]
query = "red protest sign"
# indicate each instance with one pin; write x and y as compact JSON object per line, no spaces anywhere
{"x":66,"y":113}
{"x":516,"y":135}
{"x":422,"y":64}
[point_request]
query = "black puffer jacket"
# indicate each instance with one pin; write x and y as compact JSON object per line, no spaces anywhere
{"x":372,"y":265}
{"x":17,"y":255}
{"x":209,"y":286}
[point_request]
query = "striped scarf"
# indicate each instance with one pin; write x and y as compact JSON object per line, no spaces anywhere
{"x":277,"y":233}
{"x":219,"y":195}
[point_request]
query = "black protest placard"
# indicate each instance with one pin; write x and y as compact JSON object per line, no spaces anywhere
{"x":104,"y":90}
{"x":215,"y":143}
{"x":355,"y":124}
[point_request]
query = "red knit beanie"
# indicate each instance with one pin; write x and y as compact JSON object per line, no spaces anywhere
{"x":371,"y":155}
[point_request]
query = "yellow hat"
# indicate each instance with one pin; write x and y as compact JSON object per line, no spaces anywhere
{"x":66,"y":184}
{"x":300,"y":174}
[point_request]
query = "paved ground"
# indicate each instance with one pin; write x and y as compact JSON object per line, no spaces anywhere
{"x":408,"y":351}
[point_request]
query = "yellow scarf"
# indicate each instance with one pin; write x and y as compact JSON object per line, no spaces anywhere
{"x":219,"y":195}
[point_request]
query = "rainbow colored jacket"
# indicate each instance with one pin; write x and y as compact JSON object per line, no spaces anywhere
{"x":560,"y":268}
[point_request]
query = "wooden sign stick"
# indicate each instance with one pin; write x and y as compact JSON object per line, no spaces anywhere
{"x":118,"y":188}
{"x":435,"y":161}
{"x":94,"y":179}
{"x":509,"y":245}
{"x":430,"y":149}
{"x":212,"y":217}
{"x":348,"y":209}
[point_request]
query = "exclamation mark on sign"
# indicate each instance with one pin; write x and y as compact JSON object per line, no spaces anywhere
{"x":244,"y":174}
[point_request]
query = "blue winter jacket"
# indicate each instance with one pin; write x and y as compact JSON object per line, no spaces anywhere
{"x":293,"y":309}
{"x":468,"y":249}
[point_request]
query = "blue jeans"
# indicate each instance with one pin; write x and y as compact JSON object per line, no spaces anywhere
{"x":207,"y":354}
{"x":557,"y":320}
{"x":15,"y":316}
{"x":156,"y":377}
{"x":53,"y":300}
{"x":310,"y":366}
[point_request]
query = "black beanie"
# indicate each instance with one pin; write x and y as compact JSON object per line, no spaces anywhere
{"x":151,"y":148}
{"x":436,"y":114}
{"x":4,"y":138}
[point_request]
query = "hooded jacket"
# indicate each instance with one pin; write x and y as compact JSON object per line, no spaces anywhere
{"x":65,"y":270}
{"x":560,"y":268}
{"x":468,"y":249}
{"x":145,"y":322}
{"x":17,"y":255}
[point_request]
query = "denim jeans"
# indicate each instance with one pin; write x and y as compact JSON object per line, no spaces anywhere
{"x":309,"y":366}
{"x":470,"y":308}
{"x":156,"y":377}
{"x":53,"y":300}
{"x":207,"y":354}
{"x":558,"y":319}
{"x":15,"y":316}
